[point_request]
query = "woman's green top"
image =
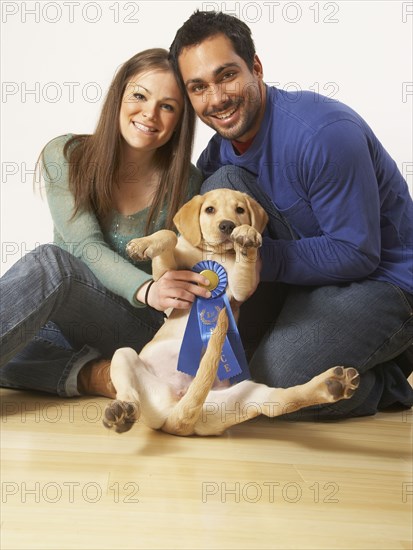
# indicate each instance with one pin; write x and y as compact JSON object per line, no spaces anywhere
{"x":101,"y":247}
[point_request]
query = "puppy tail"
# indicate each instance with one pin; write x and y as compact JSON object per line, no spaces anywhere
{"x":186,"y":412}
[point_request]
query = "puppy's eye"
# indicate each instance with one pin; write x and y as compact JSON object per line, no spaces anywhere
{"x":239,"y":210}
{"x":209,"y":209}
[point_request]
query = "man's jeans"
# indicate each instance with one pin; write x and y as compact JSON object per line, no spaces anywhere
{"x":299,"y":332}
{"x":55,"y":316}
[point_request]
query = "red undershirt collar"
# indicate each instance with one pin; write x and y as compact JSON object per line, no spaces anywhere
{"x":242,"y":146}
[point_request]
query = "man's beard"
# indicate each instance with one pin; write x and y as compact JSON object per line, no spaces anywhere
{"x":247,"y":119}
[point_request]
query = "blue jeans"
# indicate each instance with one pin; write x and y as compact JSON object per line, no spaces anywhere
{"x":55,"y":316}
{"x":294,"y":333}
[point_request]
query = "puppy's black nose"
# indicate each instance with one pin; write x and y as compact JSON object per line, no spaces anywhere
{"x":226,"y":226}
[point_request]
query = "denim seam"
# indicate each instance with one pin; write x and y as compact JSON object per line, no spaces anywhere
{"x":402,"y":296}
{"x":386,"y":342}
{"x":48,"y":343}
{"x":10,"y":334}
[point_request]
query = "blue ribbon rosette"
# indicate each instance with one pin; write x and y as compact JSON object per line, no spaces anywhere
{"x":201,"y":322}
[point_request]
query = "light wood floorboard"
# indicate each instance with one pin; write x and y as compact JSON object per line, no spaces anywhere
{"x":67,"y":483}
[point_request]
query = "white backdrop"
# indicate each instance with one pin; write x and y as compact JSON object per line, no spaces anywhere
{"x":58,"y":59}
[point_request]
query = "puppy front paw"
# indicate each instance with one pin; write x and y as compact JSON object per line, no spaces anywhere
{"x":246,"y":236}
{"x":139,"y":249}
{"x":149,"y":247}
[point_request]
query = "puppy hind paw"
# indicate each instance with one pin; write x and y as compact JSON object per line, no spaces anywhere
{"x":342,"y":382}
{"x":120,"y":416}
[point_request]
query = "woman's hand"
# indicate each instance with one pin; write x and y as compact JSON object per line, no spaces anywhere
{"x":176,"y":289}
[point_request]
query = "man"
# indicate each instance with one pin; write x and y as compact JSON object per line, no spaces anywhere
{"x":340,"y":234}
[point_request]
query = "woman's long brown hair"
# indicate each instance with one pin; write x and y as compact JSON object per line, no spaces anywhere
{"x":94,"y":160}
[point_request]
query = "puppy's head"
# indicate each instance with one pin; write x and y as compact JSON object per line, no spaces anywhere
{"x":212,"y":217}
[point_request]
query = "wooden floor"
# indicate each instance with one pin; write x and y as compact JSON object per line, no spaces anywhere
{"x":69,"y":483}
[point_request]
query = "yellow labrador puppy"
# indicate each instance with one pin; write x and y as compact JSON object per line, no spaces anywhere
{"x":224,"y":226}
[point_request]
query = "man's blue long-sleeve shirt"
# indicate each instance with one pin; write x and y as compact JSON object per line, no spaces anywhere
{"x":330,"y":177}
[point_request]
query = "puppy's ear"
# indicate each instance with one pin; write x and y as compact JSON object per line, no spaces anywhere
{"x":258,"y":215}
{"x":187,"y":220}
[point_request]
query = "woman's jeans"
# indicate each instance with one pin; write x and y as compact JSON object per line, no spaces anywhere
{"x":55,"y":316}
{"x":294,"y":333}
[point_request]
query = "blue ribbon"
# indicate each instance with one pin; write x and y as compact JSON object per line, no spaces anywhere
{"x":201,"y":322}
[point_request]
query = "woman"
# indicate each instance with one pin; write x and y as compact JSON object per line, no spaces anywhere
{"x":66,"y":306}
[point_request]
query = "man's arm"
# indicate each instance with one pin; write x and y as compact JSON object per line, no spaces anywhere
{"x":338,"y":175}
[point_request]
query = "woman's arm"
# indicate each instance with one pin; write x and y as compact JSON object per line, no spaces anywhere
{"x":82,"y":235}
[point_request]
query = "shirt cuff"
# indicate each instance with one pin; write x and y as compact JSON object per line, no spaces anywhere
{"x":133,"y":300}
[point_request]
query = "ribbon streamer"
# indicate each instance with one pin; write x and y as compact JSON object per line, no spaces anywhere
{"x":201,"y":322}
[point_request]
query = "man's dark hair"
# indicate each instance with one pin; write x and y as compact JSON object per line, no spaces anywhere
{"x":205,"y":24}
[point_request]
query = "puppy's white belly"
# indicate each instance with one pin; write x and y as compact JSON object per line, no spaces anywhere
{"x":160,"y":356}
{"x":162,"y":361}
